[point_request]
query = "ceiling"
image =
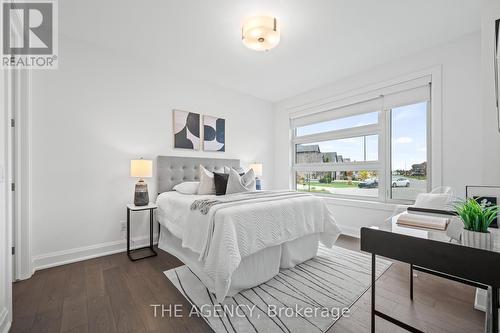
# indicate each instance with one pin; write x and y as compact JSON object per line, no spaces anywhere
{"x":321,"y":40}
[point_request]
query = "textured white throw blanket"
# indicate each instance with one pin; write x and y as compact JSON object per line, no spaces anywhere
{"x":236,"y":229}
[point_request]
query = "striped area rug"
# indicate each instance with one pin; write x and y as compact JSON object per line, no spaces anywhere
{"x":310,"y":297}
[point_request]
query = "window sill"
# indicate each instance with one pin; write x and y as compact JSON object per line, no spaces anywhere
{"x":360,"y":203}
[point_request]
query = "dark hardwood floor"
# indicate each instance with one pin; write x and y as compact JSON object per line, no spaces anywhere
{"x":113,"y":294}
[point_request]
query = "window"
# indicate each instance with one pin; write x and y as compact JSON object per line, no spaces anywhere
{"x":361,"y":148}
{"x":376,"y":148}
{"x":409,"y":151}
{"x":336,"y":124}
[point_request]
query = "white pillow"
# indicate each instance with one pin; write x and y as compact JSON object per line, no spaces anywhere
{"x":432,"y":201}
{"x":187,"y":187}
{"x":237,"y":183}
{"x":207,"y":184}
{"x":238,"y":169}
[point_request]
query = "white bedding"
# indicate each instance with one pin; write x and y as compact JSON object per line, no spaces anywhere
{"x":252,"y":271}
{"x":232,"y":231}
{"x":174,"y":212}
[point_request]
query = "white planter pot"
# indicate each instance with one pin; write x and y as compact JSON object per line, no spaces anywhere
{"x":480,"y":240}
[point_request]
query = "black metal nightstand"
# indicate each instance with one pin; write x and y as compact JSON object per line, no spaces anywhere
{"x":131,"y":207}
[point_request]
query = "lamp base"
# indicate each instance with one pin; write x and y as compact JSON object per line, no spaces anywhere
{"x":258,"y":184}
{"x":141,"y":196}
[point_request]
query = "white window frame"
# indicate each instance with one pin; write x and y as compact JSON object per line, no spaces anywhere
{"x":388,"y":154}
{"x":383,"y":129}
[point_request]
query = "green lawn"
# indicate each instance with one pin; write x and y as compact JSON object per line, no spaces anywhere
{"x":335,"y":184}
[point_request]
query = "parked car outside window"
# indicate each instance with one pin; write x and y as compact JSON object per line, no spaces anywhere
{"x":369,"y":183}
{"x":400,"y":182}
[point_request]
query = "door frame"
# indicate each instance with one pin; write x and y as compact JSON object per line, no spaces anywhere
{"x":6,"y":197}
{"x":22,"y":175}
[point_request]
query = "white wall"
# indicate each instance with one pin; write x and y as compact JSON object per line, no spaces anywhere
{"x":491,"y":148}
{"x":94,"y":114}
{"x":462,"y":130}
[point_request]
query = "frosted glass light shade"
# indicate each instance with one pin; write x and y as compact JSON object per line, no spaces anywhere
{"x":260,"y":33}
{"x":141,"y":168}
{"x":257,"y":169}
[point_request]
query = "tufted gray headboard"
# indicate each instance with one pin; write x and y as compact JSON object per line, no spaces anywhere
{"x":172,"y":170}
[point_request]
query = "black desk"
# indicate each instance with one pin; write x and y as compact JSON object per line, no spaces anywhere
{"x":432,"y":251}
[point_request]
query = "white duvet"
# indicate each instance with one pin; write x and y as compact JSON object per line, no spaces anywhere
{"x":231,"y":231}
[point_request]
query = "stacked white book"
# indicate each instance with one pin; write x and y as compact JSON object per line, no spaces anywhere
{"x":423,"y":221}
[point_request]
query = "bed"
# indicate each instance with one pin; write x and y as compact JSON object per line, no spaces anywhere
{"x":244,"y":239}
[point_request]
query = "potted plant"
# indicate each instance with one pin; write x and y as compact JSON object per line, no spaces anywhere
{"x":476,"y":218}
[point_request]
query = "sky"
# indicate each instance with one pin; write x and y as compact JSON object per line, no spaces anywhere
{"x":408,"y":133}
{"x":409,"y":144}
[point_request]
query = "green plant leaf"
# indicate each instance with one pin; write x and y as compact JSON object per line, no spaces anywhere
{"x":475,"y":216}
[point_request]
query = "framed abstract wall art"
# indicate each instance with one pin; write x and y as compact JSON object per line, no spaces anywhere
{"x":214,"y":134}
{"x":485,"y":194}
{"x":186,"y":130}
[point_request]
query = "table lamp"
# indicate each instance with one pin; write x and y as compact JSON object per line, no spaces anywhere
{"x":257,"y":169}
{"x":141,"y":169}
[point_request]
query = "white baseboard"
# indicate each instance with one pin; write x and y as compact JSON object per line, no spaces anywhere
{"x":4,"y":321}
{"x":480,"y":300}
{"x":58,"y":258}
{"x":350,"y":231}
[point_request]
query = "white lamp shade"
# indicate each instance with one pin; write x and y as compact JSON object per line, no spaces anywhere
{"x":257,"y":169}
{"x":141,"y":168}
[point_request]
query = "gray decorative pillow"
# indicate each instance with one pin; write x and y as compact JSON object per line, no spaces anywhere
{"x":237,"y":183}
{"x":207,"y":184}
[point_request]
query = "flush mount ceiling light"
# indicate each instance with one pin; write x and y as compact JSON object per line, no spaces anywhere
{"x":260,"y":33}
